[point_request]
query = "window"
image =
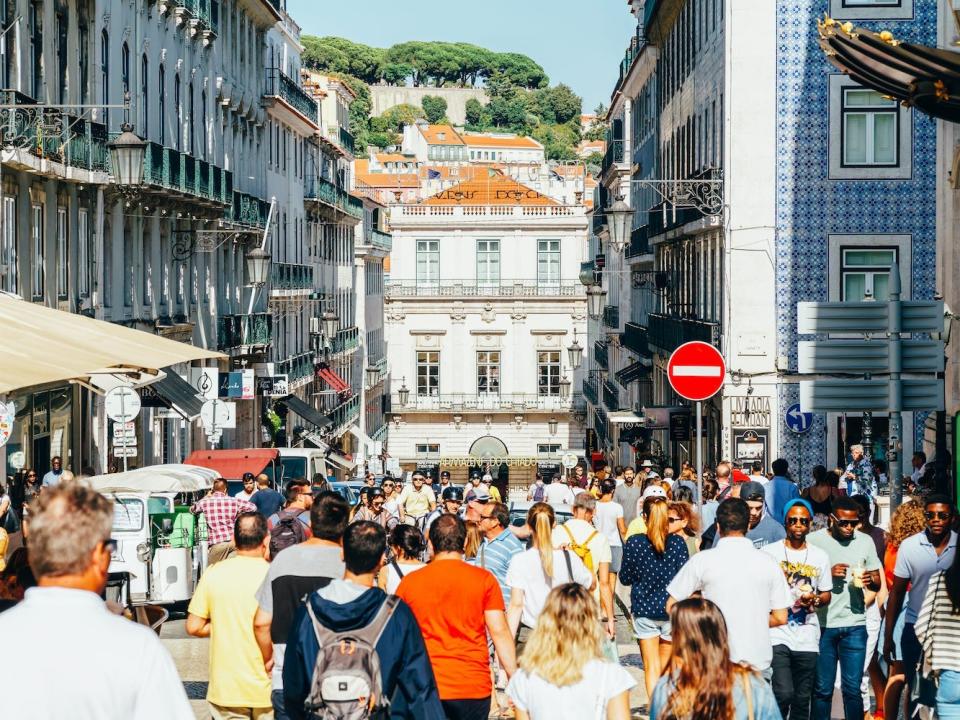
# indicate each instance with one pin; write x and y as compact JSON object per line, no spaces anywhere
{"x":62,"y":57}
{"x":872,"y":9}
{"x":548,"y":262}
{"x":105,"y":73}
{"x":543,"y":449}
{"x":125,"y":68}
{"x":548,"y":373}
{"x":488,"y":372}
{"x":177,"y":109}
{"x":866,"y":273}
{"x":62,"y":264}
{"x":83,"y":253}
{"x":190,"y":127}
{"x":428,"y":448}
{"x":83,"y":31}
{"x":36,"y":236}
{"x":8,"y":249}
{"x":36,"y":42}
{"x":428,"y":373}
{"x":869,"y":128}
{"x":162,"y":101}
{"x":488,"y":263}
{"x":870,"y":136}
{"x":203,"y":124}
{"x":428,"y":262}
{"x":145,"y":97}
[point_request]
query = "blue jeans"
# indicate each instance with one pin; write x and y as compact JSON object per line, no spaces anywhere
{"x":279,"y":709}
{"x":848,"y":645}
{"x":948,"y":695}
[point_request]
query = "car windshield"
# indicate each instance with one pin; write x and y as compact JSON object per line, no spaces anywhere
{"x":127,"y":515}
{"x":518,"y":518}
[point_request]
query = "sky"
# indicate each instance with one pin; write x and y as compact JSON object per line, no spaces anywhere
{"x":578,"y":43}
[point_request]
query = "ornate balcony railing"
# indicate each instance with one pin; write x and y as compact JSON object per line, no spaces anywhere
{"x":611,"y":396}
{"x":471,"y":288}
{"x":445,"y":213}
{"x":246,"y":209}
{"x":321,"y":190}
{"x":600,"y":423}
{"x":668,"y":333}
{"x":639,"y":242}
{"x":291,"y":276}
{"x":613,"y":155}
{"x":468,"y":402}
{"x":345,"y":414}
{"x":236,"y":332}
{"x":296,"y":367}
{"x":600,"y":354}
{"x":347,"y":339}
{"x":590,"y":391}
{"x":284,"y":87}
{"x":381,"y":240}
{"x":346,"y":140}
{"x":635,"y":338}
{"x":611,"y":316}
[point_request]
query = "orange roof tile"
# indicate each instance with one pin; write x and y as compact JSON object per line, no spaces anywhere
{"x":394,"y":157}
{"x":388,"y":181}
{"x":494,"y":189}
{"x":501,"y":141}
{"x":440,"y":135}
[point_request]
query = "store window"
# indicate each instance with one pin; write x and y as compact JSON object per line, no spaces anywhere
{"x":36,"y":236}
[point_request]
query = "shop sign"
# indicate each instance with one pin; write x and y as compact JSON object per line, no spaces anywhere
{"x":751,"y":444}
{"x":750,"y":411}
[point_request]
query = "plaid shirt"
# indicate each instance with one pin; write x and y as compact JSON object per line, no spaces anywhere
{"x":220,"y":511}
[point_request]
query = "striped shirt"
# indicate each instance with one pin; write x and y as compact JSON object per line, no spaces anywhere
{"x":495,"y":555}
{"x":938,"y":629}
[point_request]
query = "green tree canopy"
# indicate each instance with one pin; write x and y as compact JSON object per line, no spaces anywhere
{"x":434,"y":108}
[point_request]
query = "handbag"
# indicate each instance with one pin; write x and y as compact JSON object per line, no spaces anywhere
{"x":924,"y":690}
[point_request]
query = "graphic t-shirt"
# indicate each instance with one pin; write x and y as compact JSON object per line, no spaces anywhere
{"x":806,"y":571}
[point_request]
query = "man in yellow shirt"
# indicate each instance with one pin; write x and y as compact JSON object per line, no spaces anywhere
{"x":222,"y":609}
{"x":416,"y":501}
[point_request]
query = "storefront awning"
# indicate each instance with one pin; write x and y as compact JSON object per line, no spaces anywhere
{"x":632,"y":373}
{"x":625,"y":417}
{"x":308,"y":413}
{"x":232,"y":464}
{"x":179,"y":395}
{"x":331,"y":378}
{"x":41,"y":345}
{"x":338,"y":459}
{"x":917,"y":75}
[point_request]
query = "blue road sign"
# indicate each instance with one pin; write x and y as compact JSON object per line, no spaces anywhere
{"x":798,"y":421}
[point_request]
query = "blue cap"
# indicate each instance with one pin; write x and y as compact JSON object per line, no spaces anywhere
{"x":796,"y":501}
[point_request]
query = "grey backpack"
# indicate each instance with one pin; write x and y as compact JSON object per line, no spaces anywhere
{"x":346,"y":677}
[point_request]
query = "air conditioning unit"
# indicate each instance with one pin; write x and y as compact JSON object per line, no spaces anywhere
{"x":315,"y":326}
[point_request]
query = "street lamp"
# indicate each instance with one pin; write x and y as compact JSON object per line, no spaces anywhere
{"x":372,"y":375}
{"x":575,"y":352}
{"x":330,"y":321}
{"x":403,"y":394}
{"x":552,"y":425}
{"x":596,"y":299}
{"x":126,"y":157}
{"x":564,"y":387}
{"x":619,"y":215}
{"x":258,"y":266}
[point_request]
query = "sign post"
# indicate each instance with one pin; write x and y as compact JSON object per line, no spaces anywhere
{"x":122,"y":405}
{"x":696,"y":371}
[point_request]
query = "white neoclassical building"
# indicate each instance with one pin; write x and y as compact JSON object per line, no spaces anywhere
{"x":482,"y":303}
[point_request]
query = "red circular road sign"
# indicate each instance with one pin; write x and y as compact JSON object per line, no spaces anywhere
{"x":696,"y":371}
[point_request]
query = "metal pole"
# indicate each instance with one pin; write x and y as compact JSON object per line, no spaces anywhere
{"x":700,"y":457}
{"x":123,"y":428}
{"x":896,"y":391}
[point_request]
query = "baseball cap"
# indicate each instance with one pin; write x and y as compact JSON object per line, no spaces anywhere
{"x":488,"y":478}
{"x":248,"y":476}
{"x":752,"y":491}
{"x":480,"y":496}
{"x":653,"y":491}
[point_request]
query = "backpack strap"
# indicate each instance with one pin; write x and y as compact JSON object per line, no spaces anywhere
{"x":372,"y":632}
{"x":324,"y":635}
{"x":573,"y":540}
{"x":590,"y":539}
{"x":396,"y":567}
{"x":566,"y":556}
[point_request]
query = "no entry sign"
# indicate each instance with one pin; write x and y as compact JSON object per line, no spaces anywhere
{"x":696,"y":371}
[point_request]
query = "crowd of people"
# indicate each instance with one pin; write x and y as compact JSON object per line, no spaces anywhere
{"x":762,"y":599}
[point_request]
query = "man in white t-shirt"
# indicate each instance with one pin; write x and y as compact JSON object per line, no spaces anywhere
{"x":558,"y":493}
{"x":796,"y":645}
{"x":579,"y":533}
{"x":745,"y":583}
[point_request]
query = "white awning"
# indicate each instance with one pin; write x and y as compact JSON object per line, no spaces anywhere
{"x":41,"y":345}
{"x":338,"y":459}
{"x":623,"y":417}
{"x":156,"y":478}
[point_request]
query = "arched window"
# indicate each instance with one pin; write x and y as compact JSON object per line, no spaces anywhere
{"x":178,"y":110}
{"x":145,"y":97}
{"x":105,"y":74}
{"x":162,"y":101}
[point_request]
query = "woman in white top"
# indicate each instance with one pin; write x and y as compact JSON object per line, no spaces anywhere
{"x":533,"y":573}
{"x":408,"y":545}
{"x":608,"y":519}
{"x":562,"y":674}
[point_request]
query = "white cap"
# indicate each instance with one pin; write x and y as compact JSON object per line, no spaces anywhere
{"x":653,"y":491}
{"x":488,"y":478}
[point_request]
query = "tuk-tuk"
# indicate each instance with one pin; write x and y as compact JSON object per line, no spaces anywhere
{"x":161,"y":546}
{"x":232,"y":464}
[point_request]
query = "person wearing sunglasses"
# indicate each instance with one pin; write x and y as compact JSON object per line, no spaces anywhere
{"x":855,"y":569}
{"x":919,"y":558}
{"x":797,"y":644}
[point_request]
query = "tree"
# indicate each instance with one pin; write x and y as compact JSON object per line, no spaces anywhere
{"x":396,"y":73}
{"x":477,"y":116}
{"x":334,"y":54}
{"x":435,"y":108}
{"x":395,"y":118}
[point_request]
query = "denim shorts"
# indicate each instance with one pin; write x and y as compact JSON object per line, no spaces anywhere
{"x":648,"y":628}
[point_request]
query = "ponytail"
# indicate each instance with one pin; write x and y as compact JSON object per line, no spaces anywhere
{"x":541,"y":519}
{"x":658,"y":523}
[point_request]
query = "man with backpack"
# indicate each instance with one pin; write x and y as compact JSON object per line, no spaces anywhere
{"x":354,"y":651}
{"x":580,"y":537}
{"x":294,"y":573}
{"x":537,"y":492}
{"x":291,"y":525}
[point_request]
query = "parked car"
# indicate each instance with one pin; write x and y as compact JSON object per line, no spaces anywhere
{"x":520,"y":508}
{"x":348,"y":493}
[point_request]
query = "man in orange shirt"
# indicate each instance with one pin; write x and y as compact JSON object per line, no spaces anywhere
{"x":456,"y":605}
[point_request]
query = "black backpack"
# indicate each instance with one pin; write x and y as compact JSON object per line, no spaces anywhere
{"x":287,"y":531}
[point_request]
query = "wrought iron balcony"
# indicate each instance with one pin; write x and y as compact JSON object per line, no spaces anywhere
{"x":381,"y":240}
{"x":591,"y":391}
{"x":347,"y":340}
{"x":318,"y":189}
{"x":472,"y":288}
{"x":639,"y":242}
{"x":239,"y":333}
{"x":296,"y":367}
{"x":600,"y":354}
{"x":668,"y":332}
{"x":290,"y":276}
{"x":346,"y":140}
{"x":611,"y":396}
{"x":613,"y":156}
{"x":600,"y":423}
{"x":611,"y":316}
{"x":487,"y":402}
{"x":286,"y":88}
{"x":248,"y":210}
{"x":345,"y":414}
{"x":635,"y":338}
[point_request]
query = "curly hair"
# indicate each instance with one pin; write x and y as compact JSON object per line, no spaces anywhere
{"x":908,"y":520}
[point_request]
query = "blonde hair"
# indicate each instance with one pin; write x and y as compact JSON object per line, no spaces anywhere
{"x":567,"y":636}
{"x":655,"y":514}
{"x":474,"y":540}
{"x":541,"y":519}
{"x":908,"y":520}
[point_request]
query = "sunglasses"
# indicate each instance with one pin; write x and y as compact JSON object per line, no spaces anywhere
{"x":802,"y":521}
{"x":674,"y":519}
{"x":110,"y":545}
{"x":845,"y":523}
{"x":937,"y":515}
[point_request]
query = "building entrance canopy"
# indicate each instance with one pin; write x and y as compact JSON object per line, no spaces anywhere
{"x":42,"y":345}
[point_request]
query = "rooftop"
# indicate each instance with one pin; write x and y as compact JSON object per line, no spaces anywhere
{"x":494,"y":189}
{"x":501,"y":141}
{"x":440,"y":135}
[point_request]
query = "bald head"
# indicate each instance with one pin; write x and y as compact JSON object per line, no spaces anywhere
{"x":723,"y":470}
{"x":220,"y":485}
